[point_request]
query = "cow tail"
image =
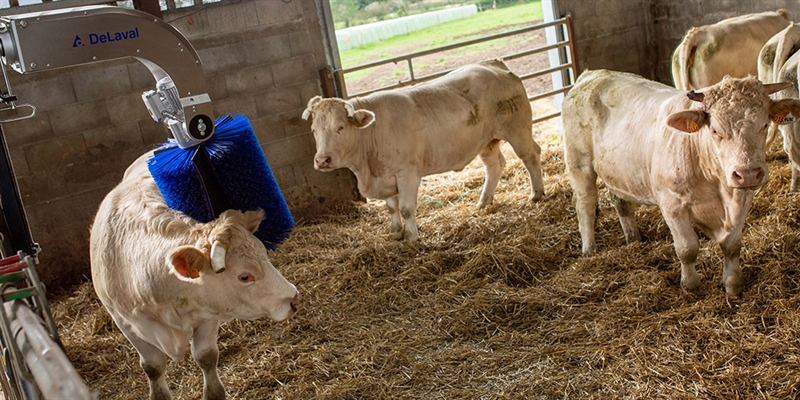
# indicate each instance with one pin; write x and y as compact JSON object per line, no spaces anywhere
{"x":772,"y":134}
{"x":686,"y":57}
{"x":783,"y":50}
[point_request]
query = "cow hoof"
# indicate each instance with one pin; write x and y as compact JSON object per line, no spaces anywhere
{"x":690,"y":285}
{"x":396,"y":235}
{"x":536,"y":196}
{"x":733,"y":286}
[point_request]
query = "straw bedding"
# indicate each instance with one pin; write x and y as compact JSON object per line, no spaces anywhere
{"x":494,"y":304}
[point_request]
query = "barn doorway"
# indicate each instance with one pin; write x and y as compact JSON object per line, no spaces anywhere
{"x":540,"y":51}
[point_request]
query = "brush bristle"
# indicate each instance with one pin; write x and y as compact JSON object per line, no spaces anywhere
{"x":244,"y":173}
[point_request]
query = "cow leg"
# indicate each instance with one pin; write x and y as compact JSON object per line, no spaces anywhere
{"x":795,"y":185}
{"x":584,"y":187}
{"x":493,"y":162}
{"x":687,"y":246}
{"x":627,"y":218}
{"x":206,"y":355}
{"x":791,"y":145}
{"x":153,"y":362}
{"x":732,"y":279}
{"x":396,"y":229}
{"x":407,"y":189}
{"x":530,"y":153}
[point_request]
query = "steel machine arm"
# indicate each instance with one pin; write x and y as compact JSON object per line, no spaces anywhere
{"x":47,"y":40}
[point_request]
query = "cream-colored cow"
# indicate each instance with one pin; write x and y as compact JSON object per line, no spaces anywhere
{"x":152,"y":270}
{"x":697,"y":156}
{"x":773,"y":55}
{"x":391,"y":139}
{"x":729,"y":47}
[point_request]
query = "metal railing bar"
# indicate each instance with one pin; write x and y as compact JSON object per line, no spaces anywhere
{"x":402,"y":83}
{"x":536,"y":50}
{"x":454,"y":45}
{"x":546,"y":71}
{"x":550,"y":93}
{"x":545,"y":117}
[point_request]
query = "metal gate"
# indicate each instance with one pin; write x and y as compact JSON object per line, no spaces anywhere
{"x":565,"y":45}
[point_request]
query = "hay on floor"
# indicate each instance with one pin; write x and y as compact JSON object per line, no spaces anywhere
{"x":495,"y":304}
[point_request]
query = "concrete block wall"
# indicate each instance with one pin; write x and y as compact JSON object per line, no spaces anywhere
{"x":611,"y":34}
{"x":671,"y":20}
{"x":639,"y":36}
{"x":261,"y":59}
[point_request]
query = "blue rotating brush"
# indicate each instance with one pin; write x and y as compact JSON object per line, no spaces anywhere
{"x":227,"y":171}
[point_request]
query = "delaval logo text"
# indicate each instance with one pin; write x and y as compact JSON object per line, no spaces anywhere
{"x":108,"y":37}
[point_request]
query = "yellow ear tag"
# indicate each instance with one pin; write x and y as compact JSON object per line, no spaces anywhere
{"x":783,"y":117}
{"x":692,"y":126}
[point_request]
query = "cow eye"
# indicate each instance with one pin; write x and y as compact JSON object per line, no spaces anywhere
{"x":339,"y":129}
{"x":246,"y":277}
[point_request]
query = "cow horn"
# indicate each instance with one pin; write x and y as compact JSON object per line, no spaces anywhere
{"x":306,"y":114}
{"x":217,"y":257}
{"x":350,"y":109}
{"x":771,"y":88}
{"x":694,"y":96}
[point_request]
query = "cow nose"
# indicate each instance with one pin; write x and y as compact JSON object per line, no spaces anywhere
{"x":295,"y":303}
{"x":322,"y":161}
{"x":746,"y":177}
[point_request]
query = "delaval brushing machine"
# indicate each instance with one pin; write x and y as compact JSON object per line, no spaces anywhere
{"x":35,"y":366}
{"x":42,"y":41}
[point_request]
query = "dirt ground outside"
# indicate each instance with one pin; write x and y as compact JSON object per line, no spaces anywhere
{"x":495,"y":303}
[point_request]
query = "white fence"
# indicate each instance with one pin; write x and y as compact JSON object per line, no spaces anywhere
{"x":356,"y":36}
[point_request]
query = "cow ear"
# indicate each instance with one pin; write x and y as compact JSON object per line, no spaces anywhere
{"x":186,"y":263}
{"x":362,"y":118}
{"x":784,"y":111}
{"x":253,"y":220}
{"x":689,"y":121}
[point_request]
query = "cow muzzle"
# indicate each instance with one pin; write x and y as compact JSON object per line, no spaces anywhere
{"x":322,"y":162}
{"x":747,"y":177}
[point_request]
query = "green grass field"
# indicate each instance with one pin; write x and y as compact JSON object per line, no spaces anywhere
{"x":482,"y":24}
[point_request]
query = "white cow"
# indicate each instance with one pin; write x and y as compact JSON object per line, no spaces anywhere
{"x":391,"y":139}
{"x":776,"y":52}
{"x":791,"y":132}
{"x":698,"y":156}
{"x":729,"y":47}
{"x":154,"y":270}
{"x":773,"y":55}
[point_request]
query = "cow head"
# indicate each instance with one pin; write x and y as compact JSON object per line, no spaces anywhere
{"x":247,"y":285}
{"x":733,"y":117}
{"x":335,"y":124}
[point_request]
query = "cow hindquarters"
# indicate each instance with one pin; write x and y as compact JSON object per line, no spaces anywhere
{"x":206,"y":355}
{"x":493,"y":162}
